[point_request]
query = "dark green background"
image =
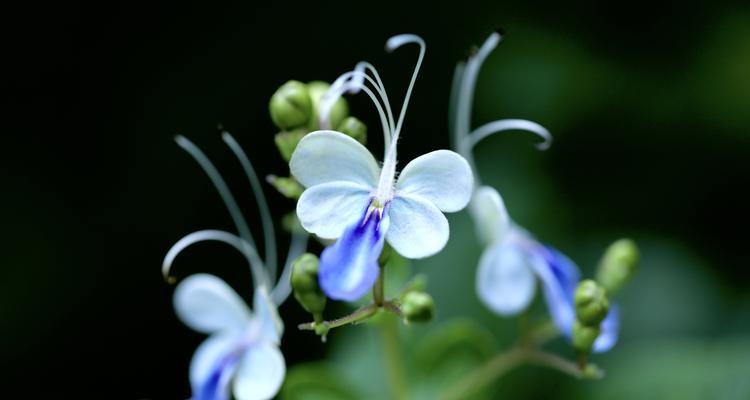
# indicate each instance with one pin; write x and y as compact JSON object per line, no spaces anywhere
{"x":649,"y":106}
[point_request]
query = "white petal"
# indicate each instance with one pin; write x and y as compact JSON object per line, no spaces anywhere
{"x":505,"y":281}
{"x":329,"y":156}
{"x":213,"y":365}
{"x":442,"y":177}
{"x":207,"y":304}
{"x":328,"y":209}
{"x":271,"y":326}
{"x":261,"y":372}
{"x":490,"y":216}
{"x":417,"y":229}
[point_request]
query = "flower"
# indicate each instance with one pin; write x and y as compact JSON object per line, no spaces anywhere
{"x":243,"y":347}
{"x":513,"y":260}
{"x":350,"y":197}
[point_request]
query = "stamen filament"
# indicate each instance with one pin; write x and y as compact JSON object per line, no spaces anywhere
{"x":247,"y":250}
{"x":269,"y":235}
{"x":504,"y":125}
{"x":224,"y":192}
{"x":283,"y":287}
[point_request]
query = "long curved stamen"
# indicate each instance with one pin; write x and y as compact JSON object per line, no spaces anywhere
{"x":269,"y":235}
{"x":453,"y":106}
{"x":220,"y":185}
{"x":392,"y":44}
{"x":383,"y":94}
{"x":247,"y":250}
{"x":346,"y":83}
{"x":283,"y":287}
{"x":504,"y":125}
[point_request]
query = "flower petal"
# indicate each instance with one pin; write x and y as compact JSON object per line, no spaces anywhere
{"x":213,"y":365}
{"x":610,"y":331}
{"x":418,"y":228}
{"x":329,"y":208}
{"x":490,"y":215}
{"x":271,"y":326}
{"x":261,"y":372}
{"x":349,"y":268}
{"x":559,"y":276}
{"x":505,"y":281}
{"x":442,"y":177}
{"x":207,"y":304}
{"x":329,"y":156}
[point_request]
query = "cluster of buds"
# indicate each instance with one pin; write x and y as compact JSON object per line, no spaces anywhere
{"x":591,"y":298}
{"x":295,"y":110}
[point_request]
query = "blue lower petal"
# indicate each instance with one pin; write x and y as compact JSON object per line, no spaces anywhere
{"x":610,"y":331}
{"x":349,"y":268}
{"x":216,"y":386}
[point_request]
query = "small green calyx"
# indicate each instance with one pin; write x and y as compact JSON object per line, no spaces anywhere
{"x":618,"y":265}
{"x":417,"y":306}
{"x":289,"y":187}
{"x":584,"y":337}
{"x":291,"y":105}
{"x":339,"y":111}
{"x":287,"y":141}
{"x":304,"y":279}
{"x":591,"y":303}
{"x":354,"y":128}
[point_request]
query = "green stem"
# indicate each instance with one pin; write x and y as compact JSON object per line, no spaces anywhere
{"x":503,"y":363}
{"x":379,"y":288}
{"x":394,"y":364}
{"x":357,"y":316}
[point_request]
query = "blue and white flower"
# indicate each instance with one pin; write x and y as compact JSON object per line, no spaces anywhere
{"x":513,"y":260}
{"x":242,"y":354}
{"x":350,"y":197}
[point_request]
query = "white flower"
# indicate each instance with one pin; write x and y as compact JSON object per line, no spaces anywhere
{"x":513,"y":260}
{"x":243,"y":347}
{"x":349,"y":196}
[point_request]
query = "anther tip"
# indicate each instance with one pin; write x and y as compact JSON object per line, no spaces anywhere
{"x":500,"y":30}
{"x":170,"y":279}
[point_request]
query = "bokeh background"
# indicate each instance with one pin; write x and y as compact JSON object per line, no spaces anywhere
{"x":648,"y":105}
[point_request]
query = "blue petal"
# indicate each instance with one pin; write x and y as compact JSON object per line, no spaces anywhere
{"x":610,"y":331}
{"x":213,"y":365}
{"x":559,"y":278}
{"x":349,"y":268}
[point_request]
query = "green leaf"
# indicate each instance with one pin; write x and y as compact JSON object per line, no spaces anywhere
{"x":315,"y":381}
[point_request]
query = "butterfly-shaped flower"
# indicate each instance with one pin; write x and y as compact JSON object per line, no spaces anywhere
{"x":242,"y":351}
{"x":513,"y":260}
{"x":350,"y":197}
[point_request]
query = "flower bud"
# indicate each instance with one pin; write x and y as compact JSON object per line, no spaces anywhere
{"x":304,"y":279}
{"x":584,"y":337}
{"x":289,"y":187}
{"x":417,"y":306}
{"x":290,"y":105}
{"x":591,"y":303}
{"x":618,"y":265}
{"x":287,"y":141}
{"x":355,"y":128}
{"x":339,"y":111}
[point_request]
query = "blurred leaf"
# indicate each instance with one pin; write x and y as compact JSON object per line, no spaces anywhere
{"x":315,"y":381}
{"x":447,"y":353}
{"x":679,"y":369}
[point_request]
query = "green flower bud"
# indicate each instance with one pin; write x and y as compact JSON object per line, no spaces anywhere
{"x":618,"y":265}
{"x":287,"y":141}
{"x":304,"y":279}
{"x":584,"y":337}
{"x":355,"y":128}
{"x":417,"y":306}
{"x":291,"y":105}
{"x":289,"y":187}
{"x":591,"y":303}
{"x":339,"y":111}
